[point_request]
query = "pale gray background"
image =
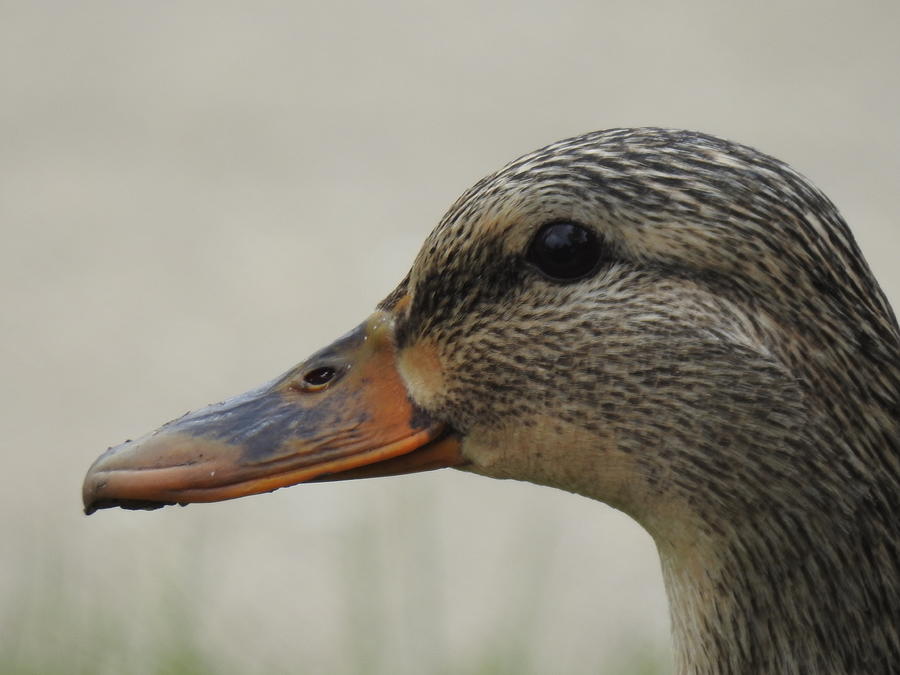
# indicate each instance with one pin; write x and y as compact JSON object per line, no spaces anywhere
{"x":195,"y":196}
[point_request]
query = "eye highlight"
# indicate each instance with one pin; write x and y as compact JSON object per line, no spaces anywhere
{"x":565,"y":251}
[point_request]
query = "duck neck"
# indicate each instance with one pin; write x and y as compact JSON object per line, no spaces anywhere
{"x":779,"y":594}
{"x":780,"y":548}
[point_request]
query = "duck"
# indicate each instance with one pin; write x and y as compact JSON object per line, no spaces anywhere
{"x":674,"y":324}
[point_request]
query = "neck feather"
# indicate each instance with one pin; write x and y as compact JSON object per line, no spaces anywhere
{"x":790,"y":591}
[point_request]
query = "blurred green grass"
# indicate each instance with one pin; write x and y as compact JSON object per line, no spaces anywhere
{"x":54,"y":624}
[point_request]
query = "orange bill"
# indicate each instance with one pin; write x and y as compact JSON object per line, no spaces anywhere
{"x":343,"y":413}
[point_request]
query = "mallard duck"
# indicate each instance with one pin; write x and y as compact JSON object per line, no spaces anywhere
{"x":671,"y":323}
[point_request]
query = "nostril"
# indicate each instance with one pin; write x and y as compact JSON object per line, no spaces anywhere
{"x":319,"y":376}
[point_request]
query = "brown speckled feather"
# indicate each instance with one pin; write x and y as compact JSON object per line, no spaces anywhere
{"x":729,"y":376}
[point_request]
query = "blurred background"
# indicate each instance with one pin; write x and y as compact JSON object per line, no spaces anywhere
{"x":195,"y":196}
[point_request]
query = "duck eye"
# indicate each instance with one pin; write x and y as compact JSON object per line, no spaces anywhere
{"x":565,"y":251}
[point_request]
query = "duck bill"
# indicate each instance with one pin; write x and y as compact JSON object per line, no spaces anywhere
{"x":344,"y":413}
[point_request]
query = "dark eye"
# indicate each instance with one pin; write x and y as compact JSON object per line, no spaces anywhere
{"x":565,"y":251}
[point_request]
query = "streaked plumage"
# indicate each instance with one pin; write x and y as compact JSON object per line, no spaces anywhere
{"x":729,"y":376}
{"x":735,"y":364}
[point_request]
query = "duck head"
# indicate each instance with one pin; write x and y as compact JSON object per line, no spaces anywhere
{"x":613,"y":314}
{"x":671,"y":323}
